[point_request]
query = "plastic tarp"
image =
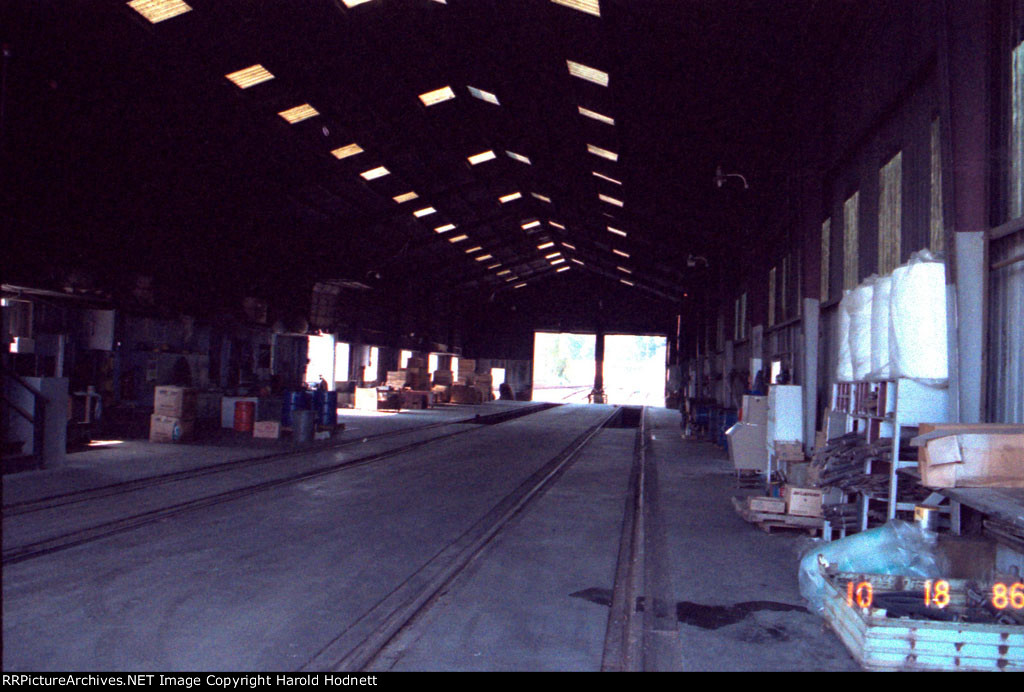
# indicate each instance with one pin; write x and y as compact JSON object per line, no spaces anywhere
{"x":917,"y":320}
{"x":844,"y":367}
{"x":880,"y":360}
{"x":898,"y":548}
{"x":860,"y":328}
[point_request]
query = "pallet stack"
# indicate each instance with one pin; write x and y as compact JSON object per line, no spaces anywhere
{"x":798,"y":510}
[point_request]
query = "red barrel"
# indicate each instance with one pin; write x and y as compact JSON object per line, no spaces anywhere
{"x":245,"y":412}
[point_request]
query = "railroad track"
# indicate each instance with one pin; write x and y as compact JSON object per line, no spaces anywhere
{"x":376,"y":637}
{"x":80,"y":536}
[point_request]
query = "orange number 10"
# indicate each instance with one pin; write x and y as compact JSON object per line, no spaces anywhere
{"x":862,"y":594}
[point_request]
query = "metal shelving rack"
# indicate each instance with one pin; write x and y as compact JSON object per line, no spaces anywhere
{"x":882,"y":410}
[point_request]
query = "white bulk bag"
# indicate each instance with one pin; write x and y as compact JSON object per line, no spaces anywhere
{"x":860,"y":328}
{"x":880,"y":362}
{"x":917,"y":320}
{"x":844,"y":368}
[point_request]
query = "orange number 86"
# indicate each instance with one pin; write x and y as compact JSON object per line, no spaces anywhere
{"x":1004,"y":596}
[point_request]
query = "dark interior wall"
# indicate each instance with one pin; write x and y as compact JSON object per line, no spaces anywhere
{"x":504,"y":327}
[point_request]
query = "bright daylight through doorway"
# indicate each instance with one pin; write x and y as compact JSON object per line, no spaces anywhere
{"x":564,"y":368}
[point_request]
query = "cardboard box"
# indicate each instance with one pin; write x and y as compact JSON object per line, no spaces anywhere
{"x":170,"y":429}
{"x":789,"y":451}
{"x":416,"y":362}
{"x":365,"y":399}
{"x":175,"y":402}
{"x":413,"y":399}
{"x":443,"y":377}
{"x":266,"y":429}
{"x":466,"y":366}
{"x":971,"y":455}
{"x":769,"y":505}
{"x":803,"y":502}
{"x":747,"y":446}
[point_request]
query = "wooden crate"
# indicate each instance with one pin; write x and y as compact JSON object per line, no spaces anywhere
{"x":881,"y":643}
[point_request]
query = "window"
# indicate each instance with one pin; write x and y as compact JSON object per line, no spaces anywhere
{"x":826,"y":240}
{"x":771,"y":296}
{"x":740,"y":327}
{"x":936,"y":225}
{"x":1017,"y":133}
{"x":890,"y":179}
{"x":850,"y":244}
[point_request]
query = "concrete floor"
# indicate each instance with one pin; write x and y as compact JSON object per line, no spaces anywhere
{"x":267,"y":581}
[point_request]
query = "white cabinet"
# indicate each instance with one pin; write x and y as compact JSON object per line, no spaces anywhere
{"x":785,"y":415}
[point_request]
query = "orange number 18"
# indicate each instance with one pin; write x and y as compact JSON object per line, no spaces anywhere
{"x":936,"y":593}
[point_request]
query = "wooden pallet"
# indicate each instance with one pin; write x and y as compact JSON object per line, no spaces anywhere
{"x":769,"y":522}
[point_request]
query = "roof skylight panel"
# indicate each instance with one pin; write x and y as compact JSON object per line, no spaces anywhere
{"x":445,"y":228}
{"x":405,"y":197}
{"x":299,"y":113}
{"x":458,"y":238}
{"x":603,"y":153}
{"x":432,"y":98}
{"x":347,"y":150}
{"x":620,"y":253}
{"x":616,"y":231}
{"x":602,"y":176}
{"x":483,"y":95}
{"x":374,"y":173}
{"x":511,"y":197}
{"x":589,"y":6}
{"x":519,"y":157}
{"x":590,"y":74}
{"x":563,"y":269}
{"x":425,"y":211}
{"x":250,"y":76}
{"x":610,"y":200}
{"x":594,"y":115}
{"x":481,"y":157}
{"x":531,"y":224}
{"x":542,"y":198}
{"x":159,"y":10}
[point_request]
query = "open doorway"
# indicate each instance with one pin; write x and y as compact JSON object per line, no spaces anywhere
{"x":634,"y":369}
{"x":342,"y":353}
{"x":321,"y":358}
{"x":497,"y":379}
{"x":563,"y":367}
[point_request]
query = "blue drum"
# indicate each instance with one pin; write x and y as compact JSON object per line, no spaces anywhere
{"x":294,"y":400}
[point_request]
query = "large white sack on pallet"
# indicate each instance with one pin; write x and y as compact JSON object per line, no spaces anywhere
{"x":860,"y":329}
{"x":880,"y":361}
{"x":917,"y":320}
{"x":844,"y":368}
